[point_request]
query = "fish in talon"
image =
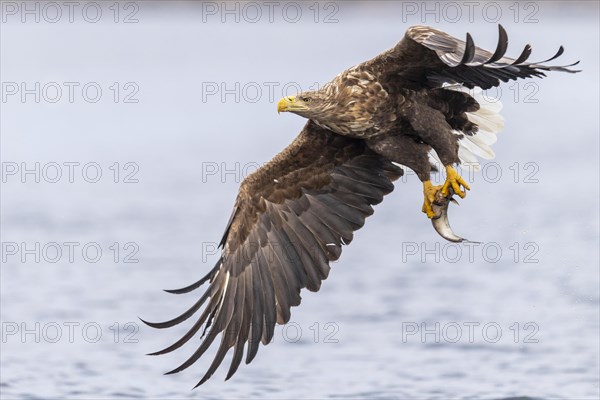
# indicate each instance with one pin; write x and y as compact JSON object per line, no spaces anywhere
{"x":440,"y":219}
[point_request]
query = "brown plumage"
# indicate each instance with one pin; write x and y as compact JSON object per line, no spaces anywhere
{"x":292,"y":216}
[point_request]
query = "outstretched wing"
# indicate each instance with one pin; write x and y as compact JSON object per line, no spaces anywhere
{"x":427,"y":58}
{"x":291,"y":218}
{"x":430,"y":57}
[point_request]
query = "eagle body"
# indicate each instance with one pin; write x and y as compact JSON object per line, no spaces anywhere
{"x":397,"y":121}
{"x":293,"y":215}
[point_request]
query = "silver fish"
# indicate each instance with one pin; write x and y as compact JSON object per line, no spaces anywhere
{"x":440,"y":220}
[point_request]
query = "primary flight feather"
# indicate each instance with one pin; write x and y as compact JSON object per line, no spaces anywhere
{"x":292,"y":216}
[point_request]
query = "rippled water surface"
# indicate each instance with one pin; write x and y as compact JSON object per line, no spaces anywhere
{"x":402,"y":315}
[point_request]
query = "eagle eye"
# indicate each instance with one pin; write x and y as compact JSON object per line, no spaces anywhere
{"x":306,"y":99}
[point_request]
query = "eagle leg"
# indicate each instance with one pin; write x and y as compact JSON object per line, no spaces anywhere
{"x":454,"y":181}
{"x":429,"y":192}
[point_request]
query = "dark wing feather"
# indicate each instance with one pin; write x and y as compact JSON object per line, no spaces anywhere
{"x":430,"y":57}
{"x":290,"y":219}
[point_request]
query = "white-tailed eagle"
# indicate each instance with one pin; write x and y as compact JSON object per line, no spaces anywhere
{"x":293,"y":215}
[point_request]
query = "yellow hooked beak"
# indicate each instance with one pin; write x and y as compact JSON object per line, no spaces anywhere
{"x":291,"y":104}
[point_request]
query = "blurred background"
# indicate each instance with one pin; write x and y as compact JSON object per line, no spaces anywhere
{"x":126,"y":128}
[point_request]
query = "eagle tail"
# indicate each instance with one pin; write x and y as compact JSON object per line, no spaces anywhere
{"x":476,"y":144}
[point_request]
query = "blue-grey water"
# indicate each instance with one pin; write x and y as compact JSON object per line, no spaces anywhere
{"x":402,"y":315}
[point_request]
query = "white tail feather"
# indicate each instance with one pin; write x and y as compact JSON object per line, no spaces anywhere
{"x":489,"y":121}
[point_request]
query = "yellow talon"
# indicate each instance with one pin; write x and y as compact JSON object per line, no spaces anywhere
{"x":455,"y":181}
{"x":429,"y":192}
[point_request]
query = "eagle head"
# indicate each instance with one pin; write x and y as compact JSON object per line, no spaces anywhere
{"x":317,"y":106}
{"x":342,"y":108}
{"x":306,"y":104}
